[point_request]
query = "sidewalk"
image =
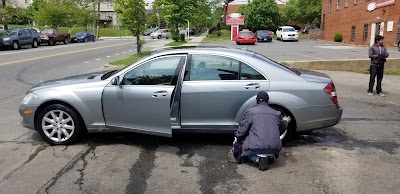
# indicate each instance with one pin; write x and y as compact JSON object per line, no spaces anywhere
{"x":196,"y":40}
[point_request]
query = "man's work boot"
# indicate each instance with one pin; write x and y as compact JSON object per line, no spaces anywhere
{"x":263,"y":163}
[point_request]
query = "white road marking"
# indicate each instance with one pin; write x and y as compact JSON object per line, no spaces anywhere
{"x":117,"y":54}
{"x":98,"y":59}
{"x":124,"y":52}
{"x":108,"y":56}
{"x":86,"y":62}
{"x":130,"y":50}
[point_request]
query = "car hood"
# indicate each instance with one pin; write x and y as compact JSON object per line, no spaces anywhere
{"x":76,"y":79}
{"x":313,"y":76}
{"x":6,"y":36}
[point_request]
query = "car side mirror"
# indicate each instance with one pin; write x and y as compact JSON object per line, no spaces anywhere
{"x":116,"y":81}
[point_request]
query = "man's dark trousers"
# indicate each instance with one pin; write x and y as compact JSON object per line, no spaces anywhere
{"x":376,"y":71}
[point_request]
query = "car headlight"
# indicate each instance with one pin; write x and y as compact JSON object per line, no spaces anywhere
{"x":45,"y":37}
{"x":6,"y":39}
{"x":28,"y":98}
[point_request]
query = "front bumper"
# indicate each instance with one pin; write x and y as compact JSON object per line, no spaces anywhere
{"x":28,"y":120}
{"x":264,"y":39}
{"x":294,"y":37}
{"x":77,"y":40}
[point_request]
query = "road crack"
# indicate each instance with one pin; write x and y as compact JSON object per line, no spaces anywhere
{"x":79,"y":181}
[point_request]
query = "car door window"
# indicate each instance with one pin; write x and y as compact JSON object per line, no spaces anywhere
{"x":21,"y":33}
{"x":156,"y":72}
{"x":248,"y":73}
{"x":27,"y":32}
{"x":209,"y":67}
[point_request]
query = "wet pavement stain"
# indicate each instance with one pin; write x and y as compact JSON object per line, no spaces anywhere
{"x":141,"y":170}
{"x":30,"y":158}
{"x":334,"y":137}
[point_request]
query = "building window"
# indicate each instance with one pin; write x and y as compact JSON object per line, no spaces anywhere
{"x":346,"y":4}
{"x":323,"y":22}
{"x":353,"y":33}
{"x":329,"y":5}
{"x":26,"y":1}
{"x":398,"y":30}
{"x":355,"y":2}
{"x":365,"y":32}
{"x":337,"y":4}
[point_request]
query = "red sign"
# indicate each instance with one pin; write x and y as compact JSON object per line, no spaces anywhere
{"x":235,"y":19}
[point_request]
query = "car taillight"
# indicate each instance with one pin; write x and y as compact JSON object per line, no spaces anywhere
{"x":331,"y":92}
{"x":252,"y":37}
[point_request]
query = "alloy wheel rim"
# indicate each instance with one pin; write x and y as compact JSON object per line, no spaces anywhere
{"x":58,"y":125}
{"x":34,"y":43}
{"x":15,"y":45}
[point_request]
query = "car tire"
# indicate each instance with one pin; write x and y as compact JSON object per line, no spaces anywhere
{"x":398,"y":45}
{"x":57,"y":133}
{"x":66,"y":41}
{"x":282,"y":39}
{"x":94,"y":39}
{"x":35,"y":43}
{"x":86,"y":40}
{"x":159,"y":37}
{"x":16,"y":45}
{"x":291,"y":130}
{"x":51,"y":42}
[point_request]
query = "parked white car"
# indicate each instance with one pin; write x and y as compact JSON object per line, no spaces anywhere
{"x":287,"y":33}
{"x":161,"y":33}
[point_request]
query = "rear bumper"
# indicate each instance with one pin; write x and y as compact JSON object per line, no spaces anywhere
{"x":246,"y":41}
{"x":264,"y":39}
{"x":317,"y":117}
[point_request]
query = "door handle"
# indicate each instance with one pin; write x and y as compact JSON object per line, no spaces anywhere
{"x":160,"y":93}
{"x":252,"y":85}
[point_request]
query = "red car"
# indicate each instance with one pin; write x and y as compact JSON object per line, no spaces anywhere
{"x":245,"y":37}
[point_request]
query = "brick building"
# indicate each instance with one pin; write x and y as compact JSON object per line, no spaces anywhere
{"x":359,"y":21}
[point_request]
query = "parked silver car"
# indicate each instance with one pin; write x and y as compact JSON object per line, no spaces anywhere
{"x":161,"y":33}
{"x":203,"y":90}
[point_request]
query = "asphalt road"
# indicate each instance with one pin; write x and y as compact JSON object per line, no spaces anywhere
{"x":359,"y":155}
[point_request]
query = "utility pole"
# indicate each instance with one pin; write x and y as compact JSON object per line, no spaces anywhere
{"x":98,"y":20}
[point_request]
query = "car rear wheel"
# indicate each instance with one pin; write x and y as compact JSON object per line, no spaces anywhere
{"x":16,"y":45}
{"x":86,"y":40}
{"x":291,"y":129}
{"x":35,"y":43}
{"x":94,"y":39}
{"x":398,"y":45}
{"x":58,"y":125}
{"x":159,"y":36}
{"x":66,"y":41}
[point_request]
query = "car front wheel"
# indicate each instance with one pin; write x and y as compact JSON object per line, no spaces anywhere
{"x":398,"y":46}
{"x":16,"y":45}
{"x":35,"y":43}
{"x":66,"y":41}
{"x":58,"y":124}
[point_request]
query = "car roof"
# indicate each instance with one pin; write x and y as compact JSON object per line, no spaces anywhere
{"x":203,"y":49}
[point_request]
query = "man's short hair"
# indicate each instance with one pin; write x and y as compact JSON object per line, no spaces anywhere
{"x":378,"y":38}
{"x":262,"y":97}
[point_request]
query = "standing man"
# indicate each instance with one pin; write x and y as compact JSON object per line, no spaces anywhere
{"x":378,"y":55}
{"x":259,"y":130}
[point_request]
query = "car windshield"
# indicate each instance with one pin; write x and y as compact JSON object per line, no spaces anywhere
{"x":80,"y":34}
{"x":289,"y":29}
{"x":246,"y":33}
{"x":49,"y":31}
{"x":158,"y":31}
{"x":10,"y":32}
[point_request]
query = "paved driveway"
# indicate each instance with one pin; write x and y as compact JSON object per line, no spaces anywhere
{"x":305,"y":50}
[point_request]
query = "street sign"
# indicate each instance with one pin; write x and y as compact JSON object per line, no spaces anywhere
{"x":235,"y":19}
{"x":209,"y":18}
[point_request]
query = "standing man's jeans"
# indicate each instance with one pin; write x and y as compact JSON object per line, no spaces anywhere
{"x":375,"y":71}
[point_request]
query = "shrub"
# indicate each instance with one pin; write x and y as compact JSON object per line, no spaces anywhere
{"x":338,"y":37}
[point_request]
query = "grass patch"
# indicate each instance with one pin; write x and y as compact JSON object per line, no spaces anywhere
{"x":131,"y":59}
{"x":175,"y":43}
{"x":107,"y":32}
{"x":225,"y":35}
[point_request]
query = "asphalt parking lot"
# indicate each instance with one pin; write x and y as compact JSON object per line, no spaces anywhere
{"x":361,"y":154}
{"x":305,"y":50}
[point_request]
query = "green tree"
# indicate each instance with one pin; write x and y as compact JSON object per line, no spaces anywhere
{"x":56,"y":13}
{"x":261,"y":14}
{"x":176,"y":12}
{"x":133,"y":15}
{"x":303,"y":11}
{"x":84,"y":13}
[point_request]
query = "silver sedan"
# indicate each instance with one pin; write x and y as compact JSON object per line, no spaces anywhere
{"x":191,"y":90}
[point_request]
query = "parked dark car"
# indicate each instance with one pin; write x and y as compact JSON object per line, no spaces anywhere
{"x":83,"y":37}
{"x":51,"y":36}
{"x":263,"y":36}
{"x":15,"y":38}
{"x":398,"y":44}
